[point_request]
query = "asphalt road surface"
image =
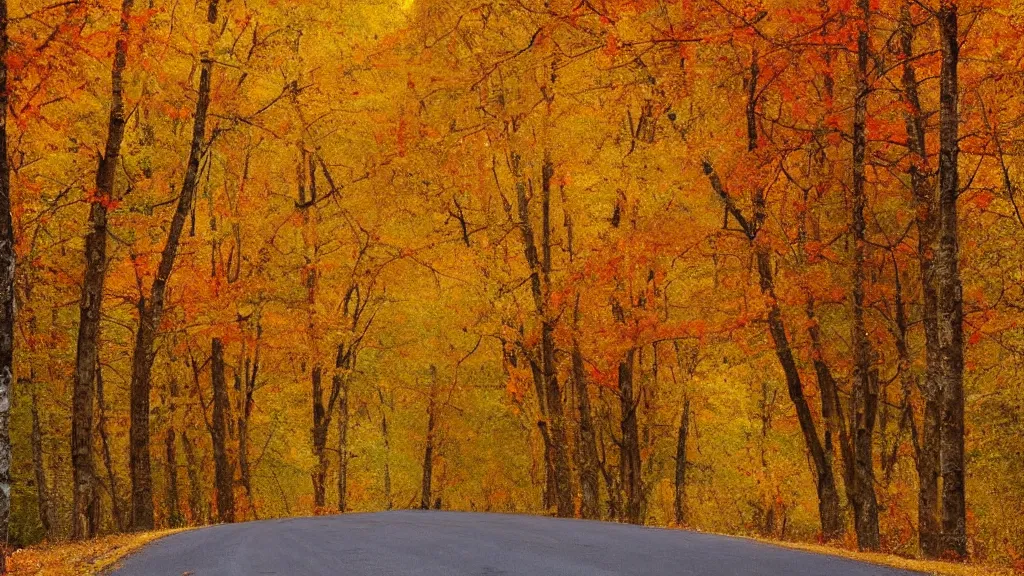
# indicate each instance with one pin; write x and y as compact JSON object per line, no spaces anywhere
{"x":462,"y":544}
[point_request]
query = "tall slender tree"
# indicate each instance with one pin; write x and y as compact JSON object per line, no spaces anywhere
{"x":7,"y":260}
{"x":151,"y":309}
{"x":949,"y":289}
{"x":865,"y":385}
{"x":87,"y":354}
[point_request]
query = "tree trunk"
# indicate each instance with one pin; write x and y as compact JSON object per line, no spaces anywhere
{"x":540,"y":272}
{"x":906,"y":376}
{"x":829,"y":510}
{"x":47,"y":513}
{"x":87,"y":352}
{"x":586,"y":444}
{"x":629,"y":449}
{"x":681,"y":464}
{"x":7,"y":259}
{"x":611,"y":483}
{"x":556,"y":410}
{"x":428,"y":449}
{"x":929,"y":528}
{"x":950,"y":292}
{"x":173,"y":502}
{"x":245,"y":412}
{"x":223,"y":473}
{"x":320,"y":422}
{"x":151,"y":311}
{"x":865,"y":392}
{"x":341,"y":382}
{"x":832,"y":412}
{"x":386,"y":438}
{"x":175,"y":519}
{"x":108,"y":461}
{"x":197,"y":510}
{"x":537,"y":373}
{"x":586,"y":441}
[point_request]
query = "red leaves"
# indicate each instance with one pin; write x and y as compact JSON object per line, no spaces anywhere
{"x":108,"y":202}
{"x":611,"y":47}
{"x":982,"y":199}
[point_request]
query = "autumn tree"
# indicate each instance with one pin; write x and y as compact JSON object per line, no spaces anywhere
{"x":7,"y":262}
{"x":87,"y":356}
{"x":151,"y":308}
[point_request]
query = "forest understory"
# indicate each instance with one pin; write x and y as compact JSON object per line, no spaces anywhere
{"x":742,"y":266}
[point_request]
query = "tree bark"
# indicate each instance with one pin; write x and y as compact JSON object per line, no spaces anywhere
{"x":87,"y":351}
{"x":247,"y":387}
{"x":344,"y":364}
{"x":197,"y":510}
{"x":341,"y":383}
{"x":173,"y":501}
{"x":223,"y":472}
{"x":428,"y":449}
{"x":832,"y":412}
{"x":556,"y":410}
{"x":108,"y":461}
{"x":681,"y":464}
{"x":151,"y":311}
{"x":386,"y":439}
{"x":537,"y":374}
{"x":47,"y":513}
{"x":929,"y":527}
{"x":175,"y":519}
{"x":865,"y":392}
{"x":829,"y":510}
{"x":7,"y":261}
{"x":320,"y":423}
{"x":539,"y":263}
{"x":949,"y":291}
{"x":586,"y":444}
{"x":629,"y":448}
{"x":244,"y":468}
{"x":586,"y":457}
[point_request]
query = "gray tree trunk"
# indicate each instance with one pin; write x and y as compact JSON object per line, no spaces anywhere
{"x":47,"y":512}
{"x":929,"y":527}
{"x":950,"y":292}
{"x":7,"y":259}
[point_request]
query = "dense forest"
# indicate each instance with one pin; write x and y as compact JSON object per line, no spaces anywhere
{"x":745,"y":266}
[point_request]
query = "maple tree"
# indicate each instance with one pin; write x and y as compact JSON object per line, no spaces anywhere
{"x":744,"y":266}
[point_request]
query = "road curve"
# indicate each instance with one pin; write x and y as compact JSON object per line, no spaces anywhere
{"x":463,"y":544}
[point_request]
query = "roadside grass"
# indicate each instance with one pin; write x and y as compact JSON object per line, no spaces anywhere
{"x":85,"y":558}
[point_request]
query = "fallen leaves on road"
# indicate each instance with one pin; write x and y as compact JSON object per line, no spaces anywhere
{"x":932,"y":567}
{"x":86,"y":558}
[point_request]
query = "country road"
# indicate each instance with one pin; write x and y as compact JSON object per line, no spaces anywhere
{"x":464,"y":544}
